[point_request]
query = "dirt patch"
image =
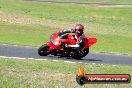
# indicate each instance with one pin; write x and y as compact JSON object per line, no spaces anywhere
{"x":43,"y":75}
{"x":26,"y":20}
{"x":58,"y":76}
{"x":55,"y":24}
{"x":115,"y":6}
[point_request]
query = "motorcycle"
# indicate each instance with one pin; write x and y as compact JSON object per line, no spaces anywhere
{"x":65,"y":45}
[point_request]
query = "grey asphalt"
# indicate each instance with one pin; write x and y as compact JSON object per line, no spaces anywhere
{"x":92,"y":57}
{"x":71,"y":2}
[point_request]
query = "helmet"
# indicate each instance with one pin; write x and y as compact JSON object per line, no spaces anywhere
{"x":79,"y":29}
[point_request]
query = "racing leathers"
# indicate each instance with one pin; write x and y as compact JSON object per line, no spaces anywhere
{"x":78,"y":37}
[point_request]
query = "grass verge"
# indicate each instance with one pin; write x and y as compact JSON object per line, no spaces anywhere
{"x":16,"y":73}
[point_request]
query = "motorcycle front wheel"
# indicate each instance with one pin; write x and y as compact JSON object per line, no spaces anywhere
{"x":43,"y":50}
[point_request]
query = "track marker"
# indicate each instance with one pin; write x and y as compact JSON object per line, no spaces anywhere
{"x":69,"y":62}
{"x":40,"y":59}
{"x":30,"y":58}
{"x":93,"y":63}
{"x":12,"y":57}
{"x":55,"y":60}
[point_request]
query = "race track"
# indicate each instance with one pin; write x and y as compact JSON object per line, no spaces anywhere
{"x":93,"y":3}
{"x":92,"y":57}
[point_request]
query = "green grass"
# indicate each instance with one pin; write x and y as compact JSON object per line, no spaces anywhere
{"x":48,"y":74}
{"x":116,"y":1}
{"x":112,"y":26}
{"x":24,"y":34}
{"x":66,"y":12}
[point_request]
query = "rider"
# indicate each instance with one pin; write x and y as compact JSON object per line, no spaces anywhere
{"x":79,"y":36}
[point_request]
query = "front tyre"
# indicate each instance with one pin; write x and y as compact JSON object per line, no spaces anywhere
{"x":43,"y":50}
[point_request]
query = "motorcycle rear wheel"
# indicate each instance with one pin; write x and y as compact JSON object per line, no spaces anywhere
{"x":80,"y":54}
{"x":85,"y":52}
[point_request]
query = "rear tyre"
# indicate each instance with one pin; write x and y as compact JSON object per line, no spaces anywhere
{"x":80,"y":54}
{"x":43,"y":50}
{"x":85,"y":52}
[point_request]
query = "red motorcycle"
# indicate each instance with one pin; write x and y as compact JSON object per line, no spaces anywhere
{"x":65,"y":45}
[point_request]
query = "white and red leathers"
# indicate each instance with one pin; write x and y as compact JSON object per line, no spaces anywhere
{"x":78,"y":37}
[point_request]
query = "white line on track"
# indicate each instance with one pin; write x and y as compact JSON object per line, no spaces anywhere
{"x":69,"y":62}
{"x":93,"y":63}
{"x":40,"y":59}
{"x":55,"y":60}
{"x":11,"y":57}
{"x":47,"y":59}
{"x":33,"y":59}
